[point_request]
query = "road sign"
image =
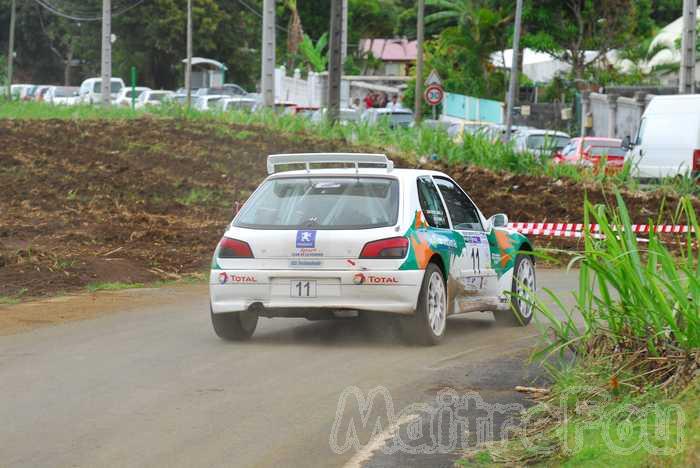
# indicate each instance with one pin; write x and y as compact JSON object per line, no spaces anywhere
{"x":433,"y":78}
{"x":434,"y":95}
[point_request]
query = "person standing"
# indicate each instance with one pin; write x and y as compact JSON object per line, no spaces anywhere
{"x":394,"y":103}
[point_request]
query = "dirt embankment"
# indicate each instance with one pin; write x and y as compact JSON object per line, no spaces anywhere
{"x":135,"y":201}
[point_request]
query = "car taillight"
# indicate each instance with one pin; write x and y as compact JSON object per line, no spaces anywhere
{"x":234,"y":248}
{"x":696,"y":160}
{"x":394,"y":247}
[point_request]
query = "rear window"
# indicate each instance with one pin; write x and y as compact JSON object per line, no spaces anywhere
{"x":546,"y":142}
{"x":323,"y":203}
{"x":607,"y":151}
{"x":116,"y":86}
{"x":65,"y":92}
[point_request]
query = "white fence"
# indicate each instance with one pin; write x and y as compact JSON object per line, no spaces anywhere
{"x":311,"y":91}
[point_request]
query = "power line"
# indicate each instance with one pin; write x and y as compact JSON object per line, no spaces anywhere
{"x":86,"y":16}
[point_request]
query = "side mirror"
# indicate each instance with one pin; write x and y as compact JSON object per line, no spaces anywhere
{"x":498,"y":220}
{"x":626,"y":143}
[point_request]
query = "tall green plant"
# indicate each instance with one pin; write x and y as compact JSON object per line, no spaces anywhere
{"x":632,"y":291}
{"x":314,"y":54}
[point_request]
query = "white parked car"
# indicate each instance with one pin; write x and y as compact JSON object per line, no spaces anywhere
{"x":235,"y":103}
{"x":19,"y":91}
{"x":207,"y":102}
{"x":62,"y":95}
{"x":91,"y":90}
{"x":124,"y":97}
{"x":398,"y":117}
{"x":543,"y":143}
{"x":668,"y":139}
{"x":152,"y":97}
{"x":324,"y":243}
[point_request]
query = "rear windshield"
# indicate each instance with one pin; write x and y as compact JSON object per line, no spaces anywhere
{"x":323,"y":203}
{"x":607,"y":151}
{"x":116,"y":86}
{"x":545,"y":142}
{"x":65,"y":92}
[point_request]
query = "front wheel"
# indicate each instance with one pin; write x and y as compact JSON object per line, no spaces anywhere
{"x":234,"y":326}
{"x":522,"y":294}
{"x":427,"y":326}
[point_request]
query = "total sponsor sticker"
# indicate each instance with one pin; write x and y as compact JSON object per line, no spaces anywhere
{"x":362,"y":278}
{"x":225,"y":277}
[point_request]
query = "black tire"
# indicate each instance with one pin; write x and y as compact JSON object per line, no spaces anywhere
{"x":417,"y":328}
{"x":521,"y":310}
{"x":234,"y":326}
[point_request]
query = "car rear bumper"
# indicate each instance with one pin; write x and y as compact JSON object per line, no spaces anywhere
{"x":381,"y":291}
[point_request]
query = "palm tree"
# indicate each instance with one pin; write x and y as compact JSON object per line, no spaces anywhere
{"x":477,"y":18}
{"x":476,"y":25}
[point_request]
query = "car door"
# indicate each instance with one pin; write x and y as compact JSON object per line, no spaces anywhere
{"x":476,"y":272}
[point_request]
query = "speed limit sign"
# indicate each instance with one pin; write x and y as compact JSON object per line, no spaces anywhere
{"x":434,"y":94}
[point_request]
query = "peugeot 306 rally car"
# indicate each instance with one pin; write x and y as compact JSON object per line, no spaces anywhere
{"x":334,"y":242}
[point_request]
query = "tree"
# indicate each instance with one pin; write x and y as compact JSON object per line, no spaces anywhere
{"x":567,"y":29}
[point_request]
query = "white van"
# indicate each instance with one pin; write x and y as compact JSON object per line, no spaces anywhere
{"x":91,"y":90}
{"x":668,"y":139}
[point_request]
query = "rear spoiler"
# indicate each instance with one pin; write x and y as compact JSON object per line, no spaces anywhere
{"x":325,"y":158}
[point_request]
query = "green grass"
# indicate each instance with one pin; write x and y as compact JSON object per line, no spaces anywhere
{"x":192,"y":278}
{"x":12,"y":299}
{"x":113,"y":286}
{"x":603,"y":430}
{"x":197,"y":196}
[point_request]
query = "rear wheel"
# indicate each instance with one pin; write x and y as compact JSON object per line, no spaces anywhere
{"x":234,"y":326}
{"x":427,"y":326}
{"x":522,"y":294}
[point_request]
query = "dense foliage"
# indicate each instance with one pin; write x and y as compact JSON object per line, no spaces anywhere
{"x":462,"y":35}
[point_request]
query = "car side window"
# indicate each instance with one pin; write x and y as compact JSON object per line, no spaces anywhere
{"x":431,"y":204}
{"x":462,"y":211}
{"x":640,"y":132}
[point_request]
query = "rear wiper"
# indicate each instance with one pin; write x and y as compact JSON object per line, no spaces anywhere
{"x":310,"y":222}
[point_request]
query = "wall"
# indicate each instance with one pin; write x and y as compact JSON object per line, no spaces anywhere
{"x":609,"y":115}
{"x":473,"y":109}
{"x":545,"y":115}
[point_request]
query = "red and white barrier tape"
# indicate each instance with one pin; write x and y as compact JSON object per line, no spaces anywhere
{"x":559,"y":229}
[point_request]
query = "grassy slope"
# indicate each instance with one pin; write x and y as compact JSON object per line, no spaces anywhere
{"x":422,"y":143}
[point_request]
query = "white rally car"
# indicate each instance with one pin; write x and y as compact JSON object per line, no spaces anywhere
{"x":331,"y":242}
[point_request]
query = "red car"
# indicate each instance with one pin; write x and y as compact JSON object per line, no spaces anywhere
{"x":589,"y":151}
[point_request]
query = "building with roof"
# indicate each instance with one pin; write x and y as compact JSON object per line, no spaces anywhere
{"x":207,"y":73}
{"x":397,"y":56}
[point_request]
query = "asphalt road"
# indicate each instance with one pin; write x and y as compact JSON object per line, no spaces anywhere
{"x":150,"y":384}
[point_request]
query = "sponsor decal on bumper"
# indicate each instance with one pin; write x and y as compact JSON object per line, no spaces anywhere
{"x":362,"y":278}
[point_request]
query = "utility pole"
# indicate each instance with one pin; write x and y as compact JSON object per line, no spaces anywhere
{"x":188,"y":67}
{"x":106,"y":52}
{"x":513,"y":86}
{"x":686,"y":84}
{"x":344,"y":46}
{"x":418,"y":102}
{"x":11,"y":54}
{"x":335,"y":63}
{"x":267,"y":80}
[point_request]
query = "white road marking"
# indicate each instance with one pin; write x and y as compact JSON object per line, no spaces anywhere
{"x":366,"y":452}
